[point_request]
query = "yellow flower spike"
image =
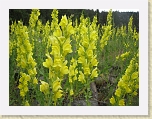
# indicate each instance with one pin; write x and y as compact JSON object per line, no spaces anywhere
{"x":57,"y":32}
{"x":64,"y":21}
{"x":48,"y":62}
{"x":121,"y":102}
{"x":94,"y":73}
{"x":70,"y":29}
{"x":112,"y":100}
{"x":81,"y":77}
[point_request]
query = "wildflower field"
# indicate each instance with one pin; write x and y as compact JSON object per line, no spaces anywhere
{"x":66,"y":63}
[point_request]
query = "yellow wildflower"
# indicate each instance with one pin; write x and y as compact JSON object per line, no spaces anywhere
{"x":66,"y":48}
{"x":135,"y":93}
{"x":71,"y":92}
{"x":94,"y":73}
{"x":94,"y":61}
{"x":81,"y":77}
{"x":86,"y":69}
{"x":112,"y":100}
{"x":56,"y":85}
{"x":82,"y":60}
{"x":35,"y":81}
{"x":22,"y":93}
{"x":121,"y":102}
{"x":134,"y":75}
{"x":57,"y":95}
{"x":81,"y":50}
{"x":48,"y":62}
{"x":44,"y":87}
{"x":57,"y":62}
{"x":118,"y":92}
{"x":64,"y":21}
{"x":26,"y":103}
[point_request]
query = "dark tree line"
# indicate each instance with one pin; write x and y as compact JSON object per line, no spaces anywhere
{"x":119,"y":18}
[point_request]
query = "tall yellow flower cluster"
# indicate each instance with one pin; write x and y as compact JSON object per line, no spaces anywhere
{"x":33,"y":24}
{"x":25,"y":60}
{"x":60,"y":45}
{"x":34,"y":17}
{"x":130,"y":30}
{"x":11,"y":46}
{"x":128,"y":85}
{"x":123,"y":56}
{"x":135,"y":38}
{"x":86,"y":50}
{"x":73,"y":71}
{"x":87,"y":35}
{"x":107,"y":31}
{"x":12,"y":41}
{"x":23,"y":86}
{"x":132,"y":34}
{"x":46,"y":34}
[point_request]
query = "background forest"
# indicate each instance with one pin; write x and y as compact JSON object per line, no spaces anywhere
{"x":119,"y":18}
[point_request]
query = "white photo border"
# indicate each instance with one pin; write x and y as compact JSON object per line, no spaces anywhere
{"x":142,"y":109}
